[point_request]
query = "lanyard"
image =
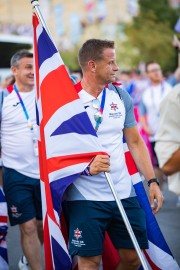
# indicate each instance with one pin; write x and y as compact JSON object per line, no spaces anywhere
{"x":100,"y":112}
{"x":24,"y":108}
{"x":34,"y":138}
{"x":153,"y":98}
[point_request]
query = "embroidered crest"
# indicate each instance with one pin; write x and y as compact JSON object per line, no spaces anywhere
{"x":13,"y":209}
{"x":114,"y":106}
{"x":77,"y":233}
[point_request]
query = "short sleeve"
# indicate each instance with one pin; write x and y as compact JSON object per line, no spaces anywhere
{"x":130,"y":120}
{"x":142,"y":108}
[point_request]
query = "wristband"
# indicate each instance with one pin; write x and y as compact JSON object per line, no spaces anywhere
{"x":153,"y":180}
{"x":87,"y":171}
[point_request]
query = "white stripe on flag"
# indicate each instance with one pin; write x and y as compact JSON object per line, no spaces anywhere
{"x":3,"y":244}
{"x":39,"y":30}
{"x":57,"y":235}
{"x":126,"y":149}
{"x":70,"y":170}
{"x":64,"y":113}
{"x":63,"y":145}
{"x":39,"y":108}
{"x":43,"y":199}
{"x":136,"y":178}
{"x":160,"y":258}
{"x":49,"y":65}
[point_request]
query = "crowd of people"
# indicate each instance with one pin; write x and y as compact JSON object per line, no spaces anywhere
{"x":144,"y":115}
{"x":148,"y":92}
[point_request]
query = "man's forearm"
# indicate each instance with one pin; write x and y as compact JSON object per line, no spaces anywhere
{"x":173,"y":164}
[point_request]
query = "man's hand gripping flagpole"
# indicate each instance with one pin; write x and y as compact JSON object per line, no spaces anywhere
{"x":107,"y":175}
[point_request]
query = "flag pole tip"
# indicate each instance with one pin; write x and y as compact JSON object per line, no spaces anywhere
{"x":35,"y":3}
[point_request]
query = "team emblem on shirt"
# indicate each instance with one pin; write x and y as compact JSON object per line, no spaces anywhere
{"x":114,"y":106}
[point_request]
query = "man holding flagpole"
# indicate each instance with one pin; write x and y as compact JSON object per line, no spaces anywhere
{"x":89,"y":204}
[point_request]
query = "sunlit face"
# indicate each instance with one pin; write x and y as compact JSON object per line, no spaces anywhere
{"x":154,"y":72}
{"x":106,"y":68}
{"x":24,"y":72}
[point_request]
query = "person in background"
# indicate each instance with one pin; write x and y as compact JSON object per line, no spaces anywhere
{"x":20,"y":164}
{"x":154,"y":93}
{"x":167,"y":138}
{"x":8,"y":81}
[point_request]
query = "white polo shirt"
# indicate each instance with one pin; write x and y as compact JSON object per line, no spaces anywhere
{"x":16,"y":137}
{"x":110,"y":133}
{"x":150,"y":103}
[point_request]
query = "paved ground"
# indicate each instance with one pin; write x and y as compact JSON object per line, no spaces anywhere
{"x":168,"y":219}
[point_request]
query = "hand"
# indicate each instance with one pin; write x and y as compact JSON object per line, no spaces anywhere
{"x":149,"y":132}
{"x":100,"y":163}
{"x":156,"y":197}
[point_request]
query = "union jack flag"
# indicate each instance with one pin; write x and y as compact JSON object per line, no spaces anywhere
{"x":67,"y":143}
{"x":63,"y":157}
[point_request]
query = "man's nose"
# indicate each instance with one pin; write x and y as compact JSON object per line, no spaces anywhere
{"x":116,"y":67}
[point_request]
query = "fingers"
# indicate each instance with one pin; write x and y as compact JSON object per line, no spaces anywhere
{"x":156,"y":198}
{"x":101,"y":163}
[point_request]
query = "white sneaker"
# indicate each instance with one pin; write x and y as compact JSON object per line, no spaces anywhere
{"x":23,"y":263}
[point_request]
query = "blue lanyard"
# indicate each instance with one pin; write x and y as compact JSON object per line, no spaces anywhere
{"x":24,"y":108}
{"x":101,"y":109}
{"x":153,"y":98}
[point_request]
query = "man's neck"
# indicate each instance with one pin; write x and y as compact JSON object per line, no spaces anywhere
{"x":156,"y":83}
{"x":24,"y":88}
{"x":92,"y":87}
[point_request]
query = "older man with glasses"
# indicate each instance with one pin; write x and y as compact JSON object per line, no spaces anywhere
{"x":156,"y":90}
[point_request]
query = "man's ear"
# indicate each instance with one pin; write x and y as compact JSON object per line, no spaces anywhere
{"x":92,"y":66}
{"x":14,"y":70}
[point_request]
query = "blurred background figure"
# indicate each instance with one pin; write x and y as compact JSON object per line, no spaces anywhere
{"x":153,"y":94}
{"x":174,"y":78}
{"x":168,"y":140}
{"x":7,"y":81}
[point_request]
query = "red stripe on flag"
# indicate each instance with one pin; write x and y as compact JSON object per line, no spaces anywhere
{"x":131,"y":166}
{"x":78,"y":87}
{"x":57,"y":163}
{"x":153,"y":266}
{"x":51,"y":89}
{"x":47,"y":246}
{"x":4,"y":219}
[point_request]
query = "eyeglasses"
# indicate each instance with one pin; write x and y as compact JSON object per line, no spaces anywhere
{"x":98,"y":115}
{"x":154,"y":70}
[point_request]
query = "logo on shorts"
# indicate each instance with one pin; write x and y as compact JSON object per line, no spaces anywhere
{"x":77,"y":242}
{"x":77,"y":234}
{"x":14,"y":211}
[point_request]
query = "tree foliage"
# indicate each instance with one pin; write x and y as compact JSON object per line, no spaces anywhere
{"x":150,"y":35}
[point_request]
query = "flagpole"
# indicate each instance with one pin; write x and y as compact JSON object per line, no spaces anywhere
{"x":126,"y":221}
{"x":35,"y":4}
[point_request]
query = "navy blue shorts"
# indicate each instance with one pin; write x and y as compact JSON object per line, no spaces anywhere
{"x":23,"y":196}
{"x":89,"y":220}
